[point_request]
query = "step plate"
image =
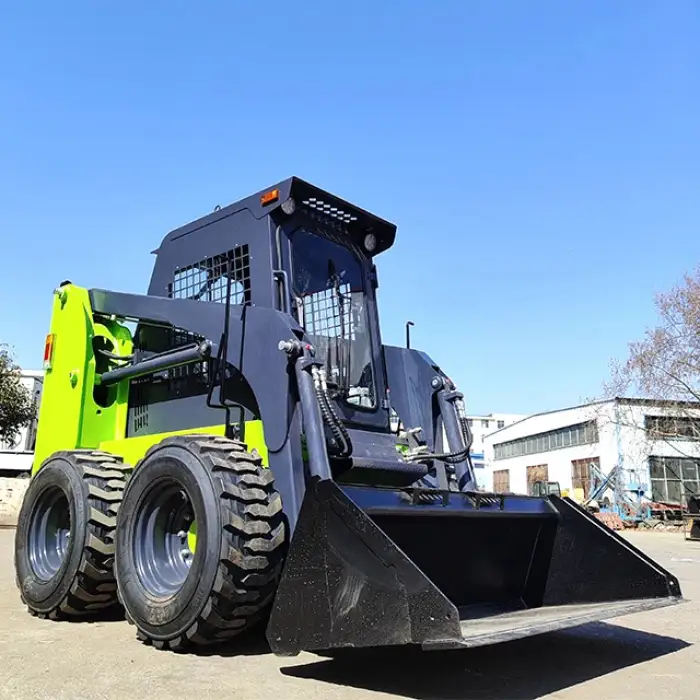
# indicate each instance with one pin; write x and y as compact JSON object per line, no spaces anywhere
{"x":482,"y":631}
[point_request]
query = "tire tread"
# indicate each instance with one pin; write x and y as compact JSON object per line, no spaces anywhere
{"x":94,"y":587}
{"x":252,"y":544}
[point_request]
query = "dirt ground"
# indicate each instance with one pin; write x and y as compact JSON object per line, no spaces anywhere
{"x":653,"y":654}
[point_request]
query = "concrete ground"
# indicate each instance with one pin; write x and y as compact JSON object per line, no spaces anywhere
{"x":653,"y":655}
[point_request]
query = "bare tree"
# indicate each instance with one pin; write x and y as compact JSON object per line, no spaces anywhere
{"x":666,"y":363}
{"x":663,"y":370}
{"x":17,"y":407}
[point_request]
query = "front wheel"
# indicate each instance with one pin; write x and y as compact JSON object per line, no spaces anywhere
{"x":201,"y":540}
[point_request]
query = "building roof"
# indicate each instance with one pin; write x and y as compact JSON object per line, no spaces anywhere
{"x":624,"y":400}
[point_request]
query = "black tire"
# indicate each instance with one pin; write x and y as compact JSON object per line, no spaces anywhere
{"x":64,"y":542}
{"x":227,"y":586}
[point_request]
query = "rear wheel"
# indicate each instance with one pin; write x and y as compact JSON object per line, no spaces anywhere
{"x":64,"y":542}
{"x":201,"y":541}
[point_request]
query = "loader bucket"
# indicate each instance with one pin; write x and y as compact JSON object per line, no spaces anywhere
{"x":383,"y":567}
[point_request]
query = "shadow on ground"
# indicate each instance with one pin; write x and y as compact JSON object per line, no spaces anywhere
{"x":252,"y":643}
{"x":99,"y":617}
{"x":519,"y":670}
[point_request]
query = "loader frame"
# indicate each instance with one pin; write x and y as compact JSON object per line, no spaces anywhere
{"x":266,"y":375}
{"x":316,"y":511}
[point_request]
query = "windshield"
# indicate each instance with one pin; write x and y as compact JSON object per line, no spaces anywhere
{"x":327,"y":282}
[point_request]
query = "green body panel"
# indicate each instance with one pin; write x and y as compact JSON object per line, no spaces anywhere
{"x":74,"y":413}
{"x":133,"y":449}
{"x":192,"y":537}
{"x":69,"y":416}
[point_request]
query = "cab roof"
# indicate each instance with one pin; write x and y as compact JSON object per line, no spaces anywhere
{"x":318,"y":203}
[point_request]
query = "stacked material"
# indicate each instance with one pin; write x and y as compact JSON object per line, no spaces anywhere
{"x":612,"y":520}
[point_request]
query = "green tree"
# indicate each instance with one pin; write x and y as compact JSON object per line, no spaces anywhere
{"x":17,"y":407}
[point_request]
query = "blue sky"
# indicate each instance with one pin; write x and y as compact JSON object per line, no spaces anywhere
{"x":541,"y":160}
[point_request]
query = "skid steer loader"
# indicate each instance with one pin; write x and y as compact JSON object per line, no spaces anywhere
{"x":219,"y":453}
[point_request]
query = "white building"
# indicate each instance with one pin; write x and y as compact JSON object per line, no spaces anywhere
{"x":16,"y":458}
{"x":656,"y":444}
{"x":481,"y":426}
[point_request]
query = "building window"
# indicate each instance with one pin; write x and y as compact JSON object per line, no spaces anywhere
{"x":484,"y":424}
{"x":581,"y":473}
{"x":501,"y":481}
{"x":501,"y":424}
{"x":672,"y":428}
{"x":470,"y":422}
{"x":570,"y":436}
{"x":673,"y":479}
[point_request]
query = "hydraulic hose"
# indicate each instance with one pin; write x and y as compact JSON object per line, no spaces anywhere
{"x":450,"y":457}
{"x":330,"y":417}
{"x":114,"y":356}
{"x":335,"y":418}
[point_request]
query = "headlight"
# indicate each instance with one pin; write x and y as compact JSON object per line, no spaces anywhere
{"x":289,"y":206}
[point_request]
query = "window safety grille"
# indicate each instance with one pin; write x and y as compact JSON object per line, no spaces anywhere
{"x":194,"y":374}
{"x":140,"y":415}
{"x":172,"y":383}
{"x":327,"y":313}
{"x":207,"y":279}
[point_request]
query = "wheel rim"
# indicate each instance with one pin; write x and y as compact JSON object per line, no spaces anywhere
{"x":164,"y":543}
{"x":49,"y":533}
